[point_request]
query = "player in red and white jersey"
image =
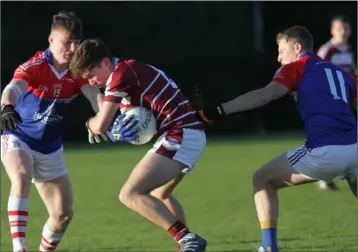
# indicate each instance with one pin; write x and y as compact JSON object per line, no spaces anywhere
{"x":155,"y":91}
{"x":180,"y":140}
{"x":339,"y":52}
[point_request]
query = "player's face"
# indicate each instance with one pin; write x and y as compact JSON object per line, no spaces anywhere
{"x":98,"y":76}
{"x":62,"y":46}
{"x":287,"y":51}
{"x":340,"y":31}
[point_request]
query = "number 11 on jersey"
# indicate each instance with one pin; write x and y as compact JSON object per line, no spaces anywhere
{"x":333,"y":85}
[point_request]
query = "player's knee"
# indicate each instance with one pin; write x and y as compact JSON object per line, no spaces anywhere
{"x":261,"y":181}
{"x":125,"y":195}
{"x":61,"y":219}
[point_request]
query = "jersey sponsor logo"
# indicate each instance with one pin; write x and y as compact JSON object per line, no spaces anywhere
{"x":49,"y":116}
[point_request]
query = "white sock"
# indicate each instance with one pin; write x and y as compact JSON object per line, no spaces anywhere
{"x":50,"y":239}
{"x":17,"y":209}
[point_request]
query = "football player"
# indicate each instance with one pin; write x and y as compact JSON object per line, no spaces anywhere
{"x":324,"y":94}
{"x":180,"y":138}
{"x":35,"y":106}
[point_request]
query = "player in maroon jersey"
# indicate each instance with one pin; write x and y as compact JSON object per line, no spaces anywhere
{"x":338,"y":51}
{"x":180,"y":140}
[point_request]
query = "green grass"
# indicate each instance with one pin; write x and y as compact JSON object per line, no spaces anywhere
{"x":217,"y":198}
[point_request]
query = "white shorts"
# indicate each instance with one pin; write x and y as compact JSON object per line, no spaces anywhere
{"x":45,"y":167}
{"x":325,"y":163}
{"x":183,"y":145}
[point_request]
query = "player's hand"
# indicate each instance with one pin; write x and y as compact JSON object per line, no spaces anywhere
{"x":195,"y":97}
{"x":209,"y":115}
{"x":9,"y":117}
{"x":123,"y":130}
{"x":92,"y":138}
{"x":205,"y":114}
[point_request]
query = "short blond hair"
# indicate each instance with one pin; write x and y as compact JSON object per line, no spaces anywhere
{"x":69,"y":22}
{"x":298,"y":33}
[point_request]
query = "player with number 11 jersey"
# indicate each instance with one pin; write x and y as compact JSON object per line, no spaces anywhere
{"x":324,"y":94}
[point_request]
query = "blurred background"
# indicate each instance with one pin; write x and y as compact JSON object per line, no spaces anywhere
{"x":224,"y":48}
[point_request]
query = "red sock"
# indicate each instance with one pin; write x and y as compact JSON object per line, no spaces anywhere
{"x":178,"y":230}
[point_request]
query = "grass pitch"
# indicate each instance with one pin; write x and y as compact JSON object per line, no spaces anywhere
{"x":217,"y":198}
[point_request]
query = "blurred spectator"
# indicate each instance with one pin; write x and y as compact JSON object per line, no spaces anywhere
{"x":338,"y":51}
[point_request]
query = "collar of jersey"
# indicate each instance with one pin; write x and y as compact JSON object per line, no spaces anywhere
{"x":305,"y":54}
{"x":110,"y":76}
{"x":49,"y":59}
{"x":48,"y":56}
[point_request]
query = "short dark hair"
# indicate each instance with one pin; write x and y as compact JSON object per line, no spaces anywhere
{"x":340,"y":18}
{"x":89,"y":54}
{"x":68,"y":21}
{"x":299,"y":33}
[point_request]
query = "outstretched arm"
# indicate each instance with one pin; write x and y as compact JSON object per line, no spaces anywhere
{"x":248,"y":101}
{"x":256,"y":98}
{"x":285,"y":80}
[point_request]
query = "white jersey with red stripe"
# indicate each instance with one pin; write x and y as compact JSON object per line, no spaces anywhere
{"x":134,"y":83}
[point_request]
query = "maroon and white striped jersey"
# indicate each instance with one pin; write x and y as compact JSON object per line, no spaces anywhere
{"x":134,"y":83}
{"x":340,"y":55}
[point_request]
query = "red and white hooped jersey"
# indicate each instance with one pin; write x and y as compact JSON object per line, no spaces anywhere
{"x":134,"y":83}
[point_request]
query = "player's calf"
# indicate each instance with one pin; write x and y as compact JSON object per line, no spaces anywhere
{"x":274,"y":175}
{"x":152,"y":172}
{"x":57,"y":196}
{"x":164,"y":194}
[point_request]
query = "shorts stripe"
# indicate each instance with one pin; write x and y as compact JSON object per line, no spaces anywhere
{"x":300,"y":153}
{"x":171,"y":144}
{"x":4,"y":144}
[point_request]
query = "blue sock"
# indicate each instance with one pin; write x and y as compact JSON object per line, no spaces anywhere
{"x":269,"y":238}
